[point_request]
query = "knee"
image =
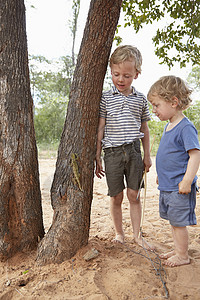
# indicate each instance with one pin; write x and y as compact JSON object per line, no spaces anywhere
{"x":132,"y":196}
{"x":117,"y":200}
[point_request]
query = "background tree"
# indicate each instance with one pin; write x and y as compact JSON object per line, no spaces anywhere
{"x":49,"y":120}
{"x":71,"y":192}
{"x":20,"y":200}
{"x":194,"y":77}
{"x":49,"y":77}
{"x":73,"y":26}
{"x":50,"y":85}
{"x":49,"y":115}
{"x":179,"y":40}
{"x":193,"y":111}
{"x":193,"y":114}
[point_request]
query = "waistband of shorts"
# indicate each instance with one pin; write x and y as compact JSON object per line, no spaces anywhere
{"x":121,"y":147}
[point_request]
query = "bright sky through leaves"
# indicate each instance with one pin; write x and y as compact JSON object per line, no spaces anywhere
{"x":49,"y":35}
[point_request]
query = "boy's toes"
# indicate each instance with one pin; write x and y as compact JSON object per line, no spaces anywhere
{"x":175,"y":261}
{"x":119,"y":238}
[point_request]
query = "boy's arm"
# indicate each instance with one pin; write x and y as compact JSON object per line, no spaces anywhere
{"x":99,"y":169}
{"x":192,"y":168}
{"x":146,"y":146}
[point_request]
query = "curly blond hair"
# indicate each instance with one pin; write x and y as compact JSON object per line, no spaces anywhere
{"x":124,"y":53}
{"x":168,"y":87}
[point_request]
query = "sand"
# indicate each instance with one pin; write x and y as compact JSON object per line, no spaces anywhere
{"x":117,"y":272}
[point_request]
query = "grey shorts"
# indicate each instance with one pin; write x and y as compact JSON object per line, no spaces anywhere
{"x":179,"y":209}
{"x":123,"y":162}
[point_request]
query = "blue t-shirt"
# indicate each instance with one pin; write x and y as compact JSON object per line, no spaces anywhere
{"x":172,"y":156}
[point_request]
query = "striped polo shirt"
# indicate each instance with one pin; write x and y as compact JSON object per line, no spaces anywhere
{"x":123,"y":115}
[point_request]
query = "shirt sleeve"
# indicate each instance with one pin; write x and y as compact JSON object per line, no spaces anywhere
{"x":145,"y":114}
{"x":102,"y":110}
{"x":190,"y":138}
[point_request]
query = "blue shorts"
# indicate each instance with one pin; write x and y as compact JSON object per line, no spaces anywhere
{"x":179,"y":209}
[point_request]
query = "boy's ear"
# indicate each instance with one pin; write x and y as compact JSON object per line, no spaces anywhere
{"x":175,"y":102}
{"x":136,"y":76}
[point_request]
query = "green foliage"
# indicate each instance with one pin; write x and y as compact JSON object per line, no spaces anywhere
{"x":182,"y":34}
{"x":156,"y":128}
{"x":193,"y":111}
{"x":50,"y":85}
{"x":193,"y":114}
{"x":49,"y":120}
{"x":117,"y":38}
{"x":73,"y":22}
{"x":50,"y":77}
{"x":194,"y":77}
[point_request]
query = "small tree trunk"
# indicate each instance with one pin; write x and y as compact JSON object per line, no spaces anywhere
{"x":20,"y":199}
{"x":76,"y":8}
{"x":71,"y":199}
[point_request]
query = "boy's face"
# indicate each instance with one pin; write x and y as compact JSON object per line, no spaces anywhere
{"x":123,"y":75}
{"x":164,"y":110}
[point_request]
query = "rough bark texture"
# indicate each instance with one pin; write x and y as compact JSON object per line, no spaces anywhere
{"x":71,"y":202}
{"x":20,"y":198}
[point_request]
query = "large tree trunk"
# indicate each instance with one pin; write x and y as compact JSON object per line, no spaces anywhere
{"x":71,"y":200}
{"x":20,"y":199}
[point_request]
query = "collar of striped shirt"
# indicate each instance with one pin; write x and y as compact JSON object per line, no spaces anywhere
{"x":115,"y":90}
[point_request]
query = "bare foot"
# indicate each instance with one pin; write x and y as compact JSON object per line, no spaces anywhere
{"x":119,"y":238}
{"x":175,"y":261}
{"x":167,"y":255}
{"x":144,"y":244}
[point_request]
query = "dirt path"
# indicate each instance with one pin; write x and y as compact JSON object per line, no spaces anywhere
{"x":119,"y":272}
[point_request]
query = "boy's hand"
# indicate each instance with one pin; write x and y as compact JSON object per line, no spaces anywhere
{"x":157,"y":179}
{"x":184,"y":187}
{"x":192,"y":168}
{"x":147,"y":163}
{"x":99,"y":169}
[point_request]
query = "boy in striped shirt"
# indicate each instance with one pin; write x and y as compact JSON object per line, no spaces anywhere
{"x":123,"y":121}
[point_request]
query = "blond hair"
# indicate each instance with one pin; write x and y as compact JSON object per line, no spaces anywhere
{"x":124,"y":53}
{"x":168,"y":87}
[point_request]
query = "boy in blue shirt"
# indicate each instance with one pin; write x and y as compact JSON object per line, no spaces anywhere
{"x":177,"y":162}
{"x":123,"y":121}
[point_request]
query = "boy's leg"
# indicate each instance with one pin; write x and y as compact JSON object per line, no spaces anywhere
{"x":170,"y":253}
{"x":135,"y":215}
{"x":135,"y":212}
{"x":180,"y":257}
{"x":179,"y":210}
{"x":116,"y":214}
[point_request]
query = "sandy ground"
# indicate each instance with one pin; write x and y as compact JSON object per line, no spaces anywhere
{"x":118,"y":272}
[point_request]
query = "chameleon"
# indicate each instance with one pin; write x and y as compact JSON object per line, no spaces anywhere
{"x":75,"y":170}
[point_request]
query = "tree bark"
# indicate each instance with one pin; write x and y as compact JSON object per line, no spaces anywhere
{"x":20,"y":199}
{"x":71,"y":200}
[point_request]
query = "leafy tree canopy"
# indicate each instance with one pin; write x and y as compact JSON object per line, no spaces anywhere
{"x":50,"y":85}
{"x":193,"y":114}
{"x":49,"y":120}
{"x":194,"y":77}
{"x":182,"y":33}
{"x":50,"y":77}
